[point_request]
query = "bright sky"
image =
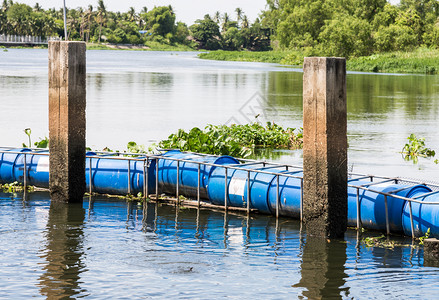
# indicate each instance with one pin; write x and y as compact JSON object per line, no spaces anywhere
{"x":186,"y":10}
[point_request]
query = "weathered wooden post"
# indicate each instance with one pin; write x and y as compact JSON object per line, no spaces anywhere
{"x":324,"y":146}
{"x":67,"y":120}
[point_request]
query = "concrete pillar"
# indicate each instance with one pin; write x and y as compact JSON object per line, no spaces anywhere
{"x":431,"y":252}
{"x":324,"y":146}
{"x":67,"y":120}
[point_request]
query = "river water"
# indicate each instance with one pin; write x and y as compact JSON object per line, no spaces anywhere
{"x":113,"y":249}
{"x":116,"y":250}
{"x":145,"y":96}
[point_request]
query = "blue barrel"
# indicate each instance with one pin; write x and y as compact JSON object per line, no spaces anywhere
{"x":12,"y":164}
{"x":425,"y":216}
{"x":237,"y":187}
{"x":188,"y":172}
{"x":372,"y":205}
{"x":289,"y":195}
{"x":110,"y":176}
{"x":38,"y":169}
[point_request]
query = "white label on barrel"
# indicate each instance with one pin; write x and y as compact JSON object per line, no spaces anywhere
{"x":237,"y":186}
{"x":43,"y":164}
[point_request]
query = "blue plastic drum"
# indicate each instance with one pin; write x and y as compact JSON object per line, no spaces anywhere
{"x":188,"y":172}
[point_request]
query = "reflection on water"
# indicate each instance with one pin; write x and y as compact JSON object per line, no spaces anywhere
{"x":63,"y":251}
{"x":322,"y":269}
{"x":113,"y":249}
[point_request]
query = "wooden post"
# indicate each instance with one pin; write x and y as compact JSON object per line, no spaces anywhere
{"x":67,"y":120}
{"x":324,"y":146}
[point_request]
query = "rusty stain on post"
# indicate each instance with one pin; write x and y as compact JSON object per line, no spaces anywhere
{"x":67,"y":101}
{"x":325,"y":146}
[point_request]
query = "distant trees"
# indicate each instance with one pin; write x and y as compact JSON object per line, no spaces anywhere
{"x":352,"y":28}
{"x":225,"y":33}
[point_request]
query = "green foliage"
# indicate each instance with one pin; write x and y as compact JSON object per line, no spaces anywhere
{"x":232,"y":39}
{"x":252,"y":56}
{"x":380,"y":241}
{"x":426,"y":236}
{"x":421,"y":61}
{"x":160,"y":20}
{"x":416,"y":148}
{"x":352,"y":28}
{"x":206,"y":32}
{"x":132,"y":147}
{"x":42,"y":143}
{"x":346,"y":36}
{"x":234,"y":140}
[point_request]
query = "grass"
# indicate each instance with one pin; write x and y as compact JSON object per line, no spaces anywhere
{"x":418,"y":61}
{"x":249,"y":56}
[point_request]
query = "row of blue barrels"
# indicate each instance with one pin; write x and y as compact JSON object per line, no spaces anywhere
{"x":269,"y":193}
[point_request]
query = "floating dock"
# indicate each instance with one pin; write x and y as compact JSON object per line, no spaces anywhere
{"x":391,"y":205}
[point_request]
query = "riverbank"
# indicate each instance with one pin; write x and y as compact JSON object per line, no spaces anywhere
{"x":149,"y":46}
{"x":419,"y":61}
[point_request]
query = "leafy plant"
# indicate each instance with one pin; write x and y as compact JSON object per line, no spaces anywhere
{"x":132,"y":147}
{"x":426,"y":236}
{"x":380,"y":241}
{"x":28,"y":132}
{"x":234,"y":140}
{"x":42,"y":143}
{"x":416,"y":148}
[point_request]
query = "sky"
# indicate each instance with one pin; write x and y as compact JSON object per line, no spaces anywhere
{"x":186,"y":10}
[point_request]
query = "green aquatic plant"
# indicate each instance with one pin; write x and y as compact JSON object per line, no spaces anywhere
{"x":235,"y":140}
{"x":425,"y":236}
{"x":416,"y":148}
{"x":28,"y":132}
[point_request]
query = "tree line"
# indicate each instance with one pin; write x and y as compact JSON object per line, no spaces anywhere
{"x":314,"y":27}
{"x":97,"y":24}
{"x":352,"y":28}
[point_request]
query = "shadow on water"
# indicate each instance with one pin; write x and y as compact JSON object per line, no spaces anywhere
{"x":323,"y":269}
{"x":63,"y":252}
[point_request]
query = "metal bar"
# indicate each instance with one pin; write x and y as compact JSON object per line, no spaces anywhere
{"x":426,"y":194}
{"x":359,"y":178}
{"x":129,"y":177}
{"x":145,"y":178}
{"x":378,"y":182}
{"x":25,"y":172}
{"x":248,"y":192}
{"x":225,"y":189}
{"x":301,"y":199}
{"x":178,"y":181}
{"x":411,"y":221}
{"x":400,"y":190}
{"x":157,"y":179}
{"x":90,"y":174}
{"x":358,"y":210}
{"x":198,"y":184}
{"x":387,"y":215}
{"x":277,"y":196}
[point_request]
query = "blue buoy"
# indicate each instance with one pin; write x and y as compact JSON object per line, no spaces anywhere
{"x":188,"y":172}
{"x":372,"y":204}
{"x":425,"y":216}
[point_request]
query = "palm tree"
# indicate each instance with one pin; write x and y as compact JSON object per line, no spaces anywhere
{"x":217,"y":17}
{"x":238,"y":14}
{"x":37,"y":7}
{"x":102,"y":13}
{"x":226,"y":20}
{"x":245,"y":22}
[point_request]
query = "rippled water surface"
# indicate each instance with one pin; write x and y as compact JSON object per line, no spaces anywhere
{"x":145,"y":96}
{"x":114,"y":249}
